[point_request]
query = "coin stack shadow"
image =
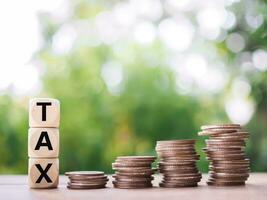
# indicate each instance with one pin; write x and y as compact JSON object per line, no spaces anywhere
{"x":178,"y":163}
{"x":133,"y":172}
{"x":226,"y":152}
{"x":86,"y":180}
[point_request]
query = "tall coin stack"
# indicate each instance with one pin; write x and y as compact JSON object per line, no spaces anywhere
{"x":226,"y":152}
{"x":178,"y":163}
{"x":133,"y":172}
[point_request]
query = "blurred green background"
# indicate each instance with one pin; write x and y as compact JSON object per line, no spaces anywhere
{"x":129,"y":73}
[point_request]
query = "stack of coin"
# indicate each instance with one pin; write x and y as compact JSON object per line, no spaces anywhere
{"x":133,"y":172}
{"x":86,"y":180}
{"x":226,"y":152}
{"x":178,"y":163}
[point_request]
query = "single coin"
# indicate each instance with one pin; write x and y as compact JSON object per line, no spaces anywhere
{"x":225,"y":183}
{"x":225,"y":141}
{"x":175,"y":146}
{"x":221,"y":130}
{"x":176,"y":143}
{"x":225,"y":146}
{"x":170,"y":185}
{"x":88,"y":180}
{"x":216,"y":132}
{"x":177,"y":162}
{"x":180,"y":184}
{"x":237,"y":147}
{"x":84,"y":188}
{"x":223,"y":150}
{"x":135,"y":174}
{"x":130,"y":185}
{"x":223,"y":158}
{"x":178,"y":150}
{"x":118,"y":165}
{"x":230,"y":136}
{"x":84,"y":173}
{"x":181,"y":179}
{"x":225,"y":154}
{"x":134,"y":161}
{"x":128,"y":161}
{"x":177,"y":167}
{"x":182,"y":175}
{"x":229,"y":171}
{"x":131,"y":168}
{"x":190,"y":141}
{"x":181,"y":150}
{"x":176,"y":171}
{"x":180,"y":157}
{"x":229,"y":174}
{"x":137,"y":157}
{"x":229,"y":167}
{"x":166,"y":164}
{"x":134,"y":170}
{"x":227,"y":179}
{"x":132,"y":179}
{"x":234,"y":133}
{"x":223,"y":126}
{"x":219,"y":155}
{"x":174,"y":159}
{"x":80,"y":177}
{"x":86,"y":184}
{"x":242,"y":161}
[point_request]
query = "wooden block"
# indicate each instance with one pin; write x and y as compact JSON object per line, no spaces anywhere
{"x":43,"y":173}
{"x":44,"y":112}
{"x":43,"y":142}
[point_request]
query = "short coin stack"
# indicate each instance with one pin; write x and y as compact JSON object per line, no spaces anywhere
{"x":226,"y":152}
{"x":86,"y":180}
{"x":178,"y":163}
{"x":133,"y":172}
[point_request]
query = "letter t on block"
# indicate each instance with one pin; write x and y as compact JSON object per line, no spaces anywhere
{"x":44,"y":112}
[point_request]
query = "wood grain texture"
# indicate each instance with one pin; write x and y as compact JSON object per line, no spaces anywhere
{"x":15,"y":187}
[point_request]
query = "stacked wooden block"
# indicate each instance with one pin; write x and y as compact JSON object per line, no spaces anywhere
{"x":43,"y":143}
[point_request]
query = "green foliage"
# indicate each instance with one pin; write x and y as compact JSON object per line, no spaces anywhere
{"x":98,"y":124}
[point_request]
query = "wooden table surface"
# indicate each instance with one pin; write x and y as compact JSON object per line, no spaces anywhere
{"x":15,"y":187}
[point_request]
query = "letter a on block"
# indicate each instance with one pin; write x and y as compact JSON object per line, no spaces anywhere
{"x":44,"y":112}
{"x":44,"y":136}
{"x":43,"y":142}
{"x":43,"y":173}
